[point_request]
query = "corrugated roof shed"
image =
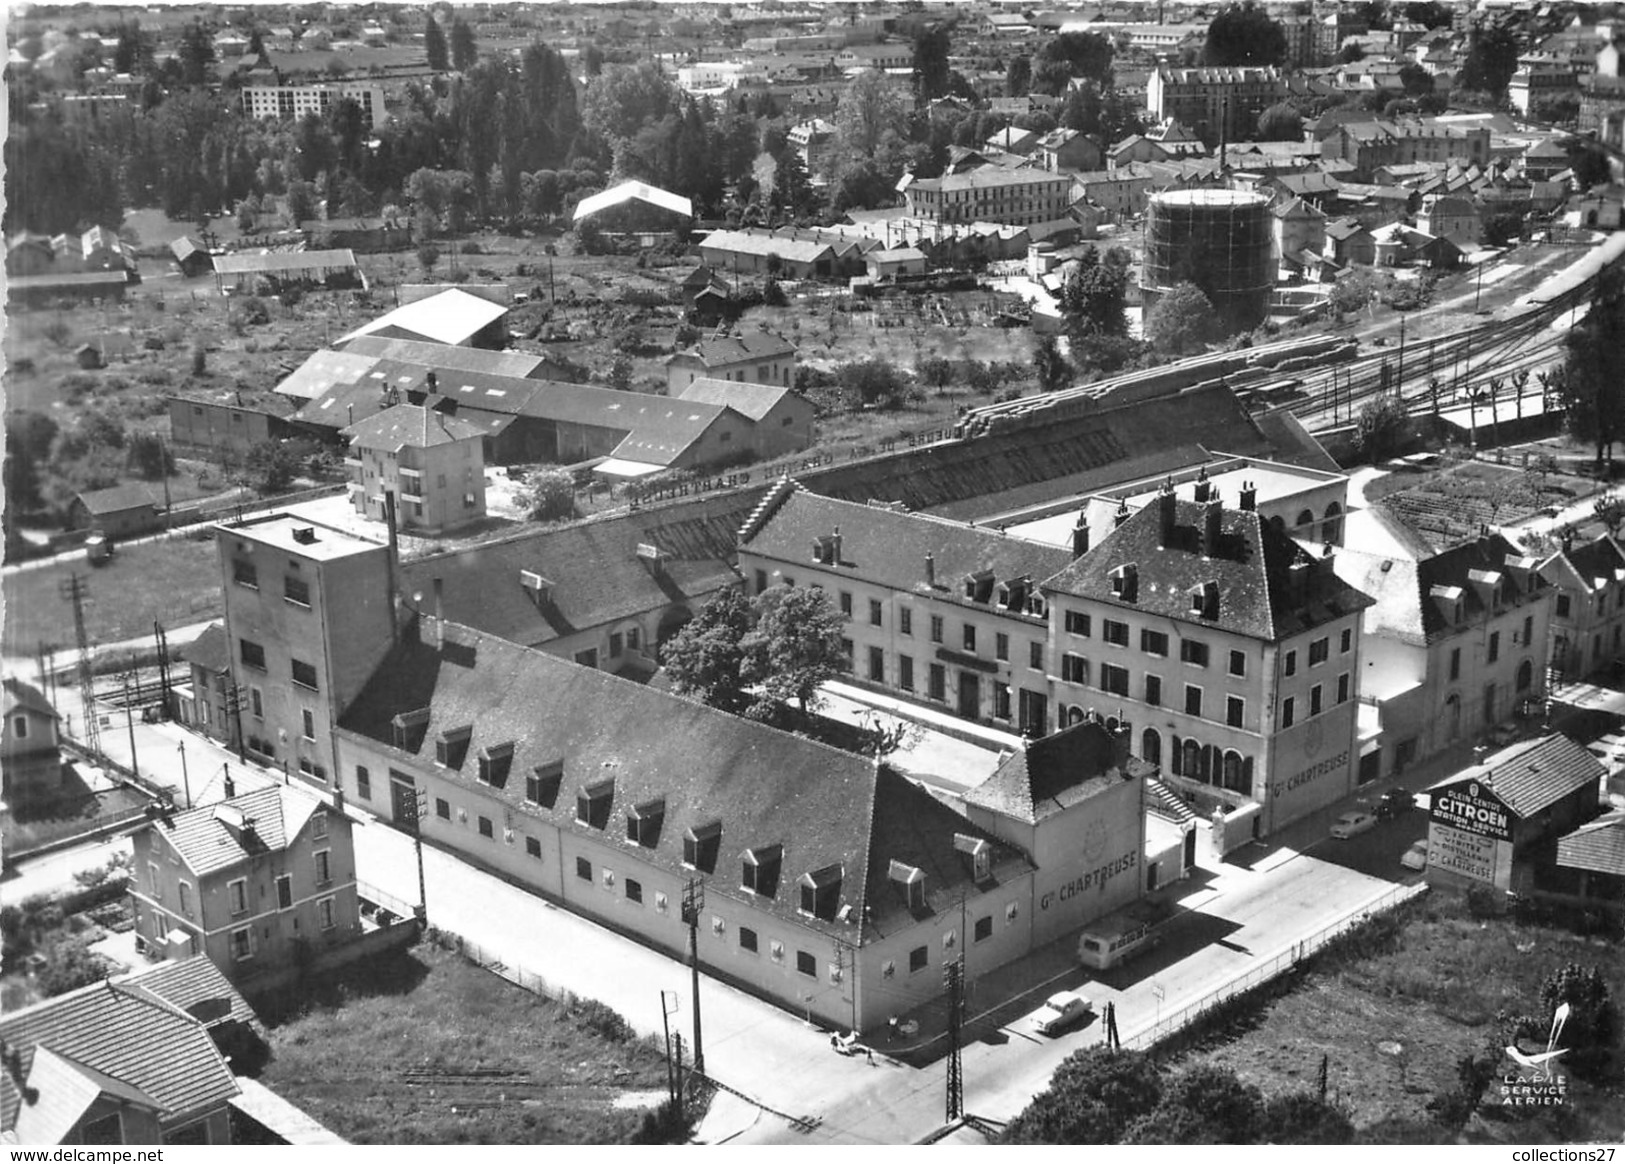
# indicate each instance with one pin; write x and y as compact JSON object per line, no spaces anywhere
{"x":633,"y":192}
{"x":449,"y":357}
{"x":451,"y":317}
{"x":323,"y":371}
{"x":278,"y":261}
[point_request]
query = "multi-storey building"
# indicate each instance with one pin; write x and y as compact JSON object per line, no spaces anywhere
{"x":753,"y":358}
{"x":1370,"y":145}
{"x":1214,"y":102}
{"x":434,"y":464}
{"x":1235,"y":653}
{"x":814,"y":141}
{"x":308,"y":615}
{"x":938,"y":610}
{"x":1588,"y":606}
{"x":294,"y":101}
{"x":1539,"y":79}
{"x":1018,"y":196}
{"x":30,"y":753}
{"x":256,"y":882}
{"x":1456,"y":644}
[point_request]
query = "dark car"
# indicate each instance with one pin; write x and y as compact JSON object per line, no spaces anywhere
{"x":1394,"y":802}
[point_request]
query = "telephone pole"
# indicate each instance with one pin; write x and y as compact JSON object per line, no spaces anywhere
{"x":693,"y":903}
{"x":419,"y":809}
{"x":953,"y":976}
{"x":75,"y":589}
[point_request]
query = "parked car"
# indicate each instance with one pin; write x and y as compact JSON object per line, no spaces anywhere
{"x":1061,"y":1010}
{"x":1416,"y":857}
{"x":1394,"y":802}
{"x":1352,"y":824}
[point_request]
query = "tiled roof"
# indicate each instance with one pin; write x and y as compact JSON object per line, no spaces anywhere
{"x":989,"y":178}
{"x":746,"y":243}
{"x":409,"y":425}
{"x":765,"y":787}
{"x":211,"y":650}
{"x":1598,"y":847}
{"x":193,"y":981}
{"x":209,"y":839}
{"x":117,"y":499}
{"x":889,"y":549}
{"x":752,"y":400}
{"x":1536,"y":774}
{"x":63,"y":1092}
{"x":596,"y":575}
{"x":734,"y":349}
{"x":1050,"y":774}
{"x":1594,"y":565}
{"x":129,"y":1034}
{"x":1252,"y":567}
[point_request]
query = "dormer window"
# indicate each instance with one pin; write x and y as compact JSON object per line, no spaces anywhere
{"x":977,"y":853}
{"x":542,"y":785}
{"x":494,"y":764}
{"x":1205,"y":600}
{"x":826,"y":550}
{"x":1013,"y":594}
{"x":451,"y":747}
{"x":701,"y":844}
{"x":408,"y":729}
{"x":1036,"y":606}
{"x":979,"y":586}
{"x":910,"y":882}
{"x":760,"y":869}
{"x":1126,"y":582}
{"x":821,"y":892}
{"x":593,"y":802}
{"x":643,"y":822}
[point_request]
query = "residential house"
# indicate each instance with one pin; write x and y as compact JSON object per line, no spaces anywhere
{"x":362,"y":236}
{"x":1540,"y":79}
{"x":814,"y":141}
{"x":1236,"y":651}
{"x":1298,"y":227}
{"x":433,"y":463}
{"x":30,"y":750}
{"x":256,"y":882}
{"x":112,"y":1063}
{"x":1011,"y":140}
{"x":753,"y":358}
{"x":1588,"y":606}
{"x":1457,"y":642}
{"x":1451,"y":217}
{"x":1012,"y":197}
{"x":1120,"y":193}
{"x":888,"y":264}
{"x":1136,"y":148}
{"x":1349,"y":244}
{"x":938,"y":611}
{"x":755,"y":252}
{"x":1067,"y":150}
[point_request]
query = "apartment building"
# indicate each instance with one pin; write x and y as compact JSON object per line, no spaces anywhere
{"x":255,"y":882}
{"x":1214,"y":102}
{"x":294,"y":101}
{"x":1370,"y":145}
{"x":433,"y":463}
{"x":1588,"y":606}
{"x":1234,"y":651}
{"x":939,"y":611}
{"x":1457,"y":643}
{"x":1019,"y":196}
{"x":1538,"y":79}
{"x":308,"y":615}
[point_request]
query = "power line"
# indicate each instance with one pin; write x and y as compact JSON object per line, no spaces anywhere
{"x":75,"y":589}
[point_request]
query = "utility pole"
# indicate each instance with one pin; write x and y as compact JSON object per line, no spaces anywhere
{"x":186,"y":779}
{"x":129,"y":679}
{"x":666,"y":1011}
{"x":1399,"y":387}
{"x":75,"y":589}
{"x":693,"y":903}
{"x":163,"y":666}
{"x":953,"y":975}
{"x":234,"y":704}
{"x":419,"y":809}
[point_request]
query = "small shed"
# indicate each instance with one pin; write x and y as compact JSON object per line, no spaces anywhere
{"x":190,"y":257}
{"x":120,"y":512}
{"x":894,"y":262}
{"x":88,"y":356}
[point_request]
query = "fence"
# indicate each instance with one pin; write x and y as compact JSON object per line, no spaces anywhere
{"x":383,"y":898}
{"x":1255,"y":976}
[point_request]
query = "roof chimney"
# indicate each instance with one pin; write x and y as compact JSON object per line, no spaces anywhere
{"x":1212,"y":526}
{"x":1568,"y":538}
{"x":1249,"y":496}
{"x":930,"y":570}
{"x":439,"y":614}
{"x":1121,"y":739}
{"x":1121,"y":515}
{"x":1080,"y":536}
{"x":1165,"y":514}
{"x":231,"y":785}
{"x":835,"y":546}
{"x":1204,"y":488}
{"x":431,"y":381}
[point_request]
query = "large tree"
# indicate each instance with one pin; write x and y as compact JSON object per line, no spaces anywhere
{"x":464,"y":50}
{"x":705,"y":658}
{"x":1094,"y":296}
{"x":1244,"y":35}
{"x":931,"y":70}
{"x":1280,"y":122}
{"x":1071,"y":54}
{"x":1492,"y":58}
{"x":1054,"y":373}
{"x":196,"y":54}
{"x":1092,"y":1099}
{"x":795,"y":646}
{"x":1591,"y":385}
{"x":1182,"y":321}
{"x":434,"y":45}
{"x":869,"y":121}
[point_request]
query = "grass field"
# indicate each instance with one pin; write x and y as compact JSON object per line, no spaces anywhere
{"x":1395,"y":1019}
{"x":176,"y":582}
{"x":425,"y":1047}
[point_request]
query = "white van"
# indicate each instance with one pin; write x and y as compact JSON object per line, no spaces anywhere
{"x":1116,"y":938}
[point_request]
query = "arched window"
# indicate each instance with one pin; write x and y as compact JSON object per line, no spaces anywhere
{"x":1074,"y":714}
{"x":1526,"y":675}
{"x":1112,"y":724}
{"x":1151,"y":746}
{"x":1279,"y":523}
{"x":1306,"y":517}
{"x":1232,"y":771}
{"x":1331,"y":529}
{"x":1193,"y":760}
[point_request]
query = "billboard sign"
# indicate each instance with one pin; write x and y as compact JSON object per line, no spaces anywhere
{"x":1470,"y":835}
